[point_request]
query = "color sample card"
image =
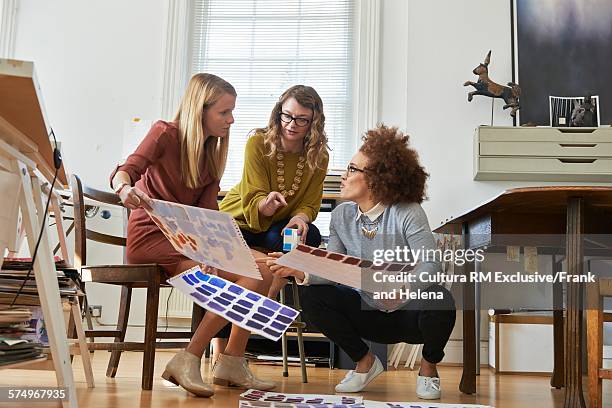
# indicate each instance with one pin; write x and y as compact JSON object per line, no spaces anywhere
{"x":270,"y":404}
{"x":363,"y":404}
{"x":378,"y":404}
{"x":206,"y":236}
{"x":247,"y":309}
{"x":335,"y":267}
{"x":344,"y":269}
{"x":263,"y":396}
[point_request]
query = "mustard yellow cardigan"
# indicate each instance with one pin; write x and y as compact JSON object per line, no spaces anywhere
{"x":259,"y":179}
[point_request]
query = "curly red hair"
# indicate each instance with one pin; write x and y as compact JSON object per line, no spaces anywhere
{"x":393,"y":173}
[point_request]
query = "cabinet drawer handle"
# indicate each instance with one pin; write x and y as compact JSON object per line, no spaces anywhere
{"x":586,"y":161}
{"x":577,"y":144}
{"x":576,"y":130}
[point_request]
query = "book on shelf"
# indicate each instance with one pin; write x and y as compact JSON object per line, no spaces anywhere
{"x":15,"y":270}
{"x":26,"y":263}
{"x":331,"y":184}
{"x":18,"y":342}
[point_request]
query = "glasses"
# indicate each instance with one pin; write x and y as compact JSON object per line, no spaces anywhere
{"x":350,"y":170}
{"x":300,"y":122}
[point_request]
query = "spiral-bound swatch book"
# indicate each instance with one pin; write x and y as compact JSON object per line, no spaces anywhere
{"x":247,"y":309}
{"x":206,"y":236}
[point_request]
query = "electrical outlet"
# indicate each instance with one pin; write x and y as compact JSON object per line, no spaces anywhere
{"x":95,"y":310}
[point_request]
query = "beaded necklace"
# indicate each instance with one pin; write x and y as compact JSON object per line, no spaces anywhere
{"x":280,"y":175}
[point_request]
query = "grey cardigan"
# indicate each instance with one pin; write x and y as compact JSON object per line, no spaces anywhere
{"x":400,"y":225}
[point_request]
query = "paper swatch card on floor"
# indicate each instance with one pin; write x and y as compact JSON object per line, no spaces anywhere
{"x":420,"y":404}
{"x":269,"y":404}
{"x":247,"y":309}
{"x":207,"y":236}
{"x":279,"y":397}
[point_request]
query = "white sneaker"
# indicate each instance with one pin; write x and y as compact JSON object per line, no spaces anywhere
{"x":355,"y":382}
{"x":428,"y":387}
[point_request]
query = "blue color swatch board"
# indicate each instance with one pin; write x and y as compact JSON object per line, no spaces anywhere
{"x":247,"y":309}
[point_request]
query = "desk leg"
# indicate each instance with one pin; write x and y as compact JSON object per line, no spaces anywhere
{"x":557,"y":380}
{"x":31,"y":204}
{"x":573,"y":327}
{"x":468,"y":378}
{"x":477,"y":316}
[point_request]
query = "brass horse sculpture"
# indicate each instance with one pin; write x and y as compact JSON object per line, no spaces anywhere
{"x":510,"y":94}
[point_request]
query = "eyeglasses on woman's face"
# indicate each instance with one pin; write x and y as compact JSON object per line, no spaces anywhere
{"x":300,"y":122}
{"x":351,"y":170}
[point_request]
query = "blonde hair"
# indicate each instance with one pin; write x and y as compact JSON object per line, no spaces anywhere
{"x":315,"y":142}
{"x":203,"y":91}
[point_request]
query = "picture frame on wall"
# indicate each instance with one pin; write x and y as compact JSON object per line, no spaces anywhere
{"x":561,"y":48}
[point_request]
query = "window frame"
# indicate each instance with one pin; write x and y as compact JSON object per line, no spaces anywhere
{"x":178,"y":59}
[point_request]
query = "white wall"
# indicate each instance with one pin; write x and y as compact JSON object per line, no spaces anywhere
{"x":99,"y":64}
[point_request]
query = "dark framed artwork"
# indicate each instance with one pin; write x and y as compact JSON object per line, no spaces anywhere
{"x":561,"y":48}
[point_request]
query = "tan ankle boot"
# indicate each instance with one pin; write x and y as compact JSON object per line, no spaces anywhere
{"x":233,"y":371}
{"x":184,"y":370}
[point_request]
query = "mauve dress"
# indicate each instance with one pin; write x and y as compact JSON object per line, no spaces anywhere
{"x":155,"y":168}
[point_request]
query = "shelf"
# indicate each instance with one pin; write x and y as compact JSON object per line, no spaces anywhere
{"x":23,"y":364}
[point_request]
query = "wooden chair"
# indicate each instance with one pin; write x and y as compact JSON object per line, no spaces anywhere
{"x":595,"y":320}
{"x":148,"y":276}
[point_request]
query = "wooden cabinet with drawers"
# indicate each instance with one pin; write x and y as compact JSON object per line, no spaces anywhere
{"x":543,"y":154}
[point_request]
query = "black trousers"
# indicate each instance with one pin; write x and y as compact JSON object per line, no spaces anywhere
{"x":337,"y":311}
{"x":272,"y":239}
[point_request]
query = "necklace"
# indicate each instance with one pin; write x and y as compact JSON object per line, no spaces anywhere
{"x":280,"y":175}
{"x":371,"y":232}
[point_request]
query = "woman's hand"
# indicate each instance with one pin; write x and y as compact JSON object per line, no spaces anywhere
{"x":133,"y":198}
{"x":301,"y":224}
{"x":269,"y":205}
{"x":282,"y":271}
{"x":210,"y":270}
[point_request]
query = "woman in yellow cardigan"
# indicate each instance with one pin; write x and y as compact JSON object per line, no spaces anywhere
{"x":285,"y":164}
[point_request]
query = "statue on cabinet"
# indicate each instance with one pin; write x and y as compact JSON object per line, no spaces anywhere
{"x":485,"y":86}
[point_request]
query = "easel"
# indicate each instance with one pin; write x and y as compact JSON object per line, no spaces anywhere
{"x":23,"y":146}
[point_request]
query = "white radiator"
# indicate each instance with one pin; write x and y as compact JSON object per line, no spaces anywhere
{"x":179,"y":305}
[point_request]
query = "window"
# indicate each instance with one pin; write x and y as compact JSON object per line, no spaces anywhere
{"x":8,"y":27}
{"x":263,"y":47}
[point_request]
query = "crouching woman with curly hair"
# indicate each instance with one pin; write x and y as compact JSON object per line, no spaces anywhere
{"x":386,"y":185}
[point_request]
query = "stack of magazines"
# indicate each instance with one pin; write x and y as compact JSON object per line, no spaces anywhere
{"x":14,"y":328}
{"x":14,"y":279}
{"x":23,"y":336}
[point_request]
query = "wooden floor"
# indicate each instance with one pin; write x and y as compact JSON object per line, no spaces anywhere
{"x":507,"y":391}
